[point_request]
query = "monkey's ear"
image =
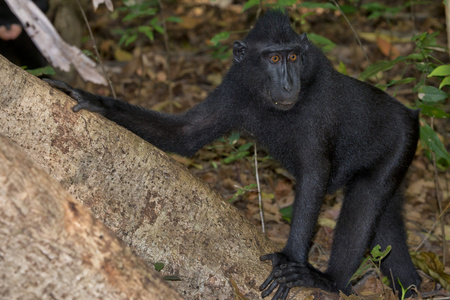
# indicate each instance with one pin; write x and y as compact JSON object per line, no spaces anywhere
{"x":239,"y":50}
{"x":304,"y":41}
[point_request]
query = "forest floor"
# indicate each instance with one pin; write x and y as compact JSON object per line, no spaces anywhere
{"x":143,"y":71}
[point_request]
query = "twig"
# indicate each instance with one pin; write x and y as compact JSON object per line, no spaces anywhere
{"x":439,"y":202}
{"x":261,"y":208}
{"x":353,"y":29}
{"x":167,"y":55}
{"x":427,"y":236}
{"x":260,"y":8}
{"x":94,"y":45}
{"x":447,"y":21}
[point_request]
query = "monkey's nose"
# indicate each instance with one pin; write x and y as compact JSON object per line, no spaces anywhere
{"x":287,"y":87}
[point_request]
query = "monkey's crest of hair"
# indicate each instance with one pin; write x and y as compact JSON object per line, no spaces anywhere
{"x":273,"y":27}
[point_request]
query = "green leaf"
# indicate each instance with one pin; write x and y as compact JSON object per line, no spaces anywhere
{"x":158,"y":266}
{"x":147,"y":30}
{"x":377,"y":254}
{"x":441,"y":71}
{"x":172,"y":278}
{"x":245,"y":147}
{"x":394,"y":82}
{"x":445,"y":81}
{"x":342,"y":68}
{"x":174,"y":19}
{"x":144,"y":28}
{"x":242,"y":191}
{"x":48,"y":70}
{"x":430,"y":139}
{"x":215,"y":40}
{"x":235,"y":156}
{"x":321,"y":41}
{"x":286,"y":213}
{"x":362,"y":269}
{"x":348,"y":9}
{"x":286,"y":2}
{"x":413,"y":56}
{"x":250,"y":4}
{"x":131,"y":39}
{"x":130,"y":17}
{"x":159,"y":29}
{"x":381,"y":66}
{"x":234,"y":137}
{"x":318,"y":5}
{"x":433,"y":111}
{"x":401,"y":81}
{"x":431,"y":94}
{"x":123,"y":38}
{"x":374,"y":68}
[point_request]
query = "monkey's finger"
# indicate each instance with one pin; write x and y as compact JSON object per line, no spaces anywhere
{"x":281,"y":293}
{"x":270,"y":289}
{"x":267,"y":257}
{"x":58,"y":84}
{"x":82,"y":105}
{"x":285,"y":294}
{"x":266,"y":282}
{"x":274,"y":257}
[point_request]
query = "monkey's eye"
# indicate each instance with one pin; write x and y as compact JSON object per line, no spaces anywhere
{"x":275,"y":58}
{"x":293,"y":57}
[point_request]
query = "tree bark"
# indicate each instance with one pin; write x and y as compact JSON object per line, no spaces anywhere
{"x":52,"y":247}
{"x":152,"y":203}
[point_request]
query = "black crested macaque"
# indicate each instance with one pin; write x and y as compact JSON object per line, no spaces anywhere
{"x":327,"y":129}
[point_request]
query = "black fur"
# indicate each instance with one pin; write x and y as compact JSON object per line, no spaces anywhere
{"x":327,"y":129}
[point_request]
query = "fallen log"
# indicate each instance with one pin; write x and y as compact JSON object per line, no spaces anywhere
{"x":52,"y":247}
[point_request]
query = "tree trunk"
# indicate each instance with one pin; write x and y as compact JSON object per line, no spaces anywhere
{"x":155,"y":205}
{"x":52,"y":247}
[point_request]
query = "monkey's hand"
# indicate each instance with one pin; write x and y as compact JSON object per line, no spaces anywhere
{"x":85,"y":100}
{"x":288,"y":274}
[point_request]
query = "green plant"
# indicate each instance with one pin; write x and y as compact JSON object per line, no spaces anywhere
{"x":238,"y":153}
{"x":47,"y":70}
{"x":286,"y":213}
{"x":241,"y":191}
{"x":403,"y":289}
{"x":160,"y":266}
{"x":430,"y":99}
{"x":372,"y":261}
{"x":139,"y":14}
{"x":377,"y":10}
{"x":279,"y":3}
{"x":242,"y":151}
{"x":220,"y":51}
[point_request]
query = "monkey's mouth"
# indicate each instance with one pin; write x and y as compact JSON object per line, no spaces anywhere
{"x":284,"y":105}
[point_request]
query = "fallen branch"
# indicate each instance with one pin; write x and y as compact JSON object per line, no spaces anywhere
{"x":52,"y":247}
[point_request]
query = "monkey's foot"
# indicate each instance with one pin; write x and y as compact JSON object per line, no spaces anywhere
{"x":288,"y":274}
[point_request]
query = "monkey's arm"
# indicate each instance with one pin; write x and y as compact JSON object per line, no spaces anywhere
{"x":184,"y":134}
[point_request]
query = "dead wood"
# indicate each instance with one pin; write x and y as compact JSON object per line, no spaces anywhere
{"x":52,"y":247}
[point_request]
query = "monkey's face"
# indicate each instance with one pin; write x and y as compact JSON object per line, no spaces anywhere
{"x":282,"y":65}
